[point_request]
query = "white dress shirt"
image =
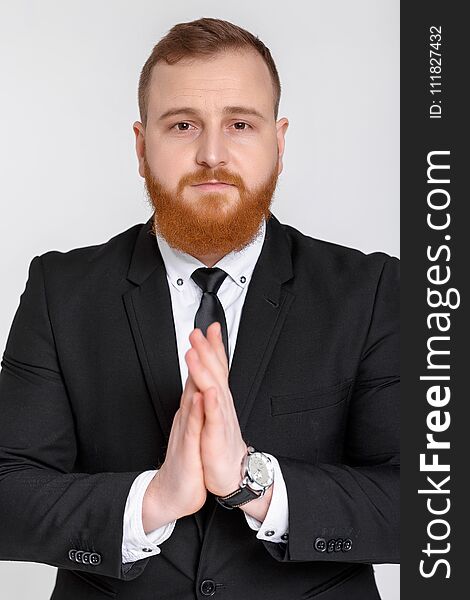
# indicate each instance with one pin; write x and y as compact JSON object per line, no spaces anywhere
{"x":185,"y":300}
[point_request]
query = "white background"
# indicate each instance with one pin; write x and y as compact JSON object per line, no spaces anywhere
{"x":68,"y":97}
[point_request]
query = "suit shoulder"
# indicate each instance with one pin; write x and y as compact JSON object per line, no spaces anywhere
{"x":106,"y":255}
{"x":323,"y":256}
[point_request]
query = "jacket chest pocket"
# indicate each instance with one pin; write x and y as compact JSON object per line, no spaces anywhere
{"x":311,"y":425}
{"x":310,"y":400}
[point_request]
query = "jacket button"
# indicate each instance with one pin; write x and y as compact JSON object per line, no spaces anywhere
{"x":331,"y":546}
{"x":208,"y":587}
{"x":86,"y":558}
{"x":79,"y":555}
{"x":72,"y":554}
{"x":347,"y":545}
{"x":320,"y":545}
{"x":338,"y":545}
{"x":95,"y":558}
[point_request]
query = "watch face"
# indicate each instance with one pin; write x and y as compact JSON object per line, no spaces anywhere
{"x":259,"y":470}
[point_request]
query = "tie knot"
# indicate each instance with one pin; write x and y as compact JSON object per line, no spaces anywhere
{"x":209,"y":279}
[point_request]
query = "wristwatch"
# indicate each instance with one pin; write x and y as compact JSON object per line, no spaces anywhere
{"x":257,"y":476}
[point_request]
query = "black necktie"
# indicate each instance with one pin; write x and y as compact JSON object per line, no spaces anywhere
{"x":210,"y":308}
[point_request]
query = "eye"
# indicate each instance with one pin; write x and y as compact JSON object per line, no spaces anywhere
{"x":241,"y":123}
{"x":181,"y":123}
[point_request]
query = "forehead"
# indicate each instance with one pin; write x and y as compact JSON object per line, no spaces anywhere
{"x":230,"y":77}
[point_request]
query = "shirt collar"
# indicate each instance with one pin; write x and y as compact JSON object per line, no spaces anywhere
{"x":238,"y":265}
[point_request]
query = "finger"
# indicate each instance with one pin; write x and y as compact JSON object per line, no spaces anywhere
{"x":212,"y":409}
{"x":195,"y":421}
{"x":189,"y":389}
{"x":214,"y":336}
{"x":187,"y":401}
{"x":207,"y":354}
{"x":202,"y":376}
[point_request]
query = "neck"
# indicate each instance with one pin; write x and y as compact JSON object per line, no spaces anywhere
{"x":210,"y":259}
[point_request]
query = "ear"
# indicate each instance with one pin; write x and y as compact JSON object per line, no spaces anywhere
{"x":281,"y":127}
{"x":139,"y":131}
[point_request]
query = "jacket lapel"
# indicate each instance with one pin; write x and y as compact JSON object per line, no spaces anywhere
{"x":263,"y":313}
{"x":148,"y":307}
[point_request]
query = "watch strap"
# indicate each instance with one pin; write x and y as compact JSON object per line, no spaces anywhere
{"x":237,"y":498}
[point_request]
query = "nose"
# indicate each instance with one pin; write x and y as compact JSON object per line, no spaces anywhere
{"x":212,"y":149}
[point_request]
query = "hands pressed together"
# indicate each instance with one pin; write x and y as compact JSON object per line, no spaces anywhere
{"x":205,"y":447}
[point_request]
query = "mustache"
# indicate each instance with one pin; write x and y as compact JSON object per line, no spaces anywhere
{"x":206,"y":175}
{"x":203,"y":175}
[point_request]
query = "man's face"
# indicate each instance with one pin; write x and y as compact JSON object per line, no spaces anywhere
{"x":206,"y":140}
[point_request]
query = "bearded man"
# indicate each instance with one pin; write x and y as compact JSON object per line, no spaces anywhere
{"x":206,"y":404}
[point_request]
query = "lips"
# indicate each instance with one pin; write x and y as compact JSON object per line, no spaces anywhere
{"x":213,"y":183}
{"x":213,"y":186}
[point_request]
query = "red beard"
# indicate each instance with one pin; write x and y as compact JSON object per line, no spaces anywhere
{"x":210,"y":223}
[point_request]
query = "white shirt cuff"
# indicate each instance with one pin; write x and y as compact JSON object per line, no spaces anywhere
{"x":136,"y":544}
{"x":276,"y":521}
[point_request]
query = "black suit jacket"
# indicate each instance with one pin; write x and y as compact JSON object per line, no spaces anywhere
{"x":90,"y":383}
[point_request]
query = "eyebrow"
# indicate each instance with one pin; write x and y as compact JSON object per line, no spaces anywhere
{"x":227,"y":110}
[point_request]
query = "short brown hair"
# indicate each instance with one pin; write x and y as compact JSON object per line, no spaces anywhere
{"x":203,"y":37}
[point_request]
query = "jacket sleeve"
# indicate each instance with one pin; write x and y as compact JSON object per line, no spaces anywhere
{"x":47,"y":511}
{"x":349,"y":512}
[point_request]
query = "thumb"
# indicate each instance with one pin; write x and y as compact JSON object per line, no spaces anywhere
{"x":196,"y":413}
